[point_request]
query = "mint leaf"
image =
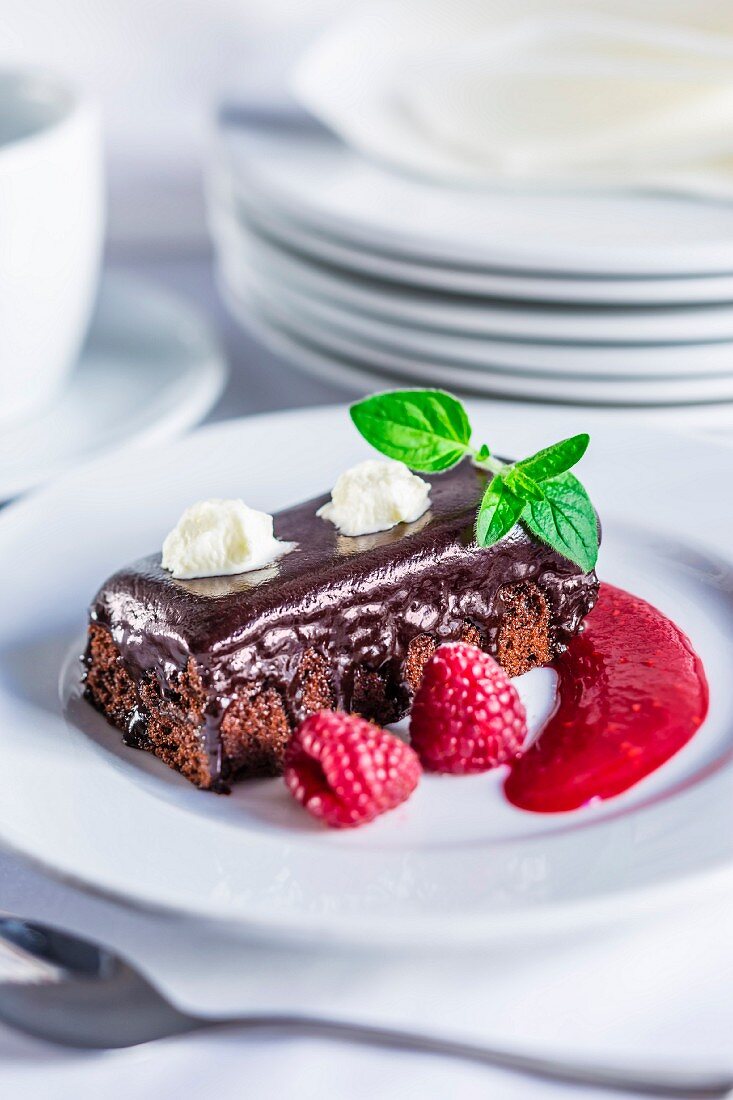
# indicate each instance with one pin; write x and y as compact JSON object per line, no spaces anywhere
{"x":428,"y":430}
{"x":565,"y":520}
{"x":498,"y":512}
{"x":556,"y":459}
{"x":522,"y":485}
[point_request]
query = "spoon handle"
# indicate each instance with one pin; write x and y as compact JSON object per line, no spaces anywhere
{"x":645,"y":1081}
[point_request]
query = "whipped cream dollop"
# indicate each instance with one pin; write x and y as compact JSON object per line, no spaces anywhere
{"x":374,"y":496}
{"x":217,"y":538}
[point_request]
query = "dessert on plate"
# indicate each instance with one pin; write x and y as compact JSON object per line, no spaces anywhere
{"x":212,"y":652}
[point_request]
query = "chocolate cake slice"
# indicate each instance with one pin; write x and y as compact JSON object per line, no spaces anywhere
{"x":211,"y":675}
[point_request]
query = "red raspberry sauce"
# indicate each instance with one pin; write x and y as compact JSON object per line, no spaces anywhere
{"x":631,"y":693}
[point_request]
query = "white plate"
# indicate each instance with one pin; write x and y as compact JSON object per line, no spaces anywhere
{"x":365,"y":261}
{"x":356,"y":378}
{"x":507,"y":373}
{"x":150,"y":369}
{"x":490,"y":318}
{"x":454,"y":864}
{"x":315,"y":178}
{"x":612,"y":367}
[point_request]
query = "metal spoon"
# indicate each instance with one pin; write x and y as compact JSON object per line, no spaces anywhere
{"x":69,"y":991}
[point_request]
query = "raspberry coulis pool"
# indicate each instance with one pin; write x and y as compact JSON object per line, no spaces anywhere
{"x":631,"y":693}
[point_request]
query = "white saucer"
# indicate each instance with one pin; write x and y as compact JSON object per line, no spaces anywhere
{"x":506,"y":370}
{"x":333,"y":190}
{"x":452,"y":280}
{"x":456,"y":863}
{"x":355,"y":377}
{"x":687,"y":368}
{"x":150,"y":369}
{"x":465,"y":317}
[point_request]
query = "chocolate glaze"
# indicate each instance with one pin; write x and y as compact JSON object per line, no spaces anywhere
{"x":357,"y":601}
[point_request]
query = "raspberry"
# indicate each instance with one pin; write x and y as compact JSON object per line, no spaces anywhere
{"x":346,"y":770}
{"x":467,"y":716}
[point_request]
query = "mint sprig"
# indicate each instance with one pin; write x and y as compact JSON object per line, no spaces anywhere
{"x":429,"y":431}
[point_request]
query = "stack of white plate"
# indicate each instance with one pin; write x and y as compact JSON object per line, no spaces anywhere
{"x":371,"y":278}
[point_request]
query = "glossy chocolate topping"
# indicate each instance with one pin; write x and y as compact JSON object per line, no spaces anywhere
{"x":356,"y":601}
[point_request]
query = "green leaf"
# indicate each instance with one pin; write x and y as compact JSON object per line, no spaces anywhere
{"x":498,"y":512}
{"x":428,"y":430}
{"x":556,"y":459}
{"x":565,"y":520}
{"x":522,"y":485}
{"x":482,"y":453}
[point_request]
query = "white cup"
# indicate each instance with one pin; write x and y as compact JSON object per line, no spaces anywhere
{"x":51,"y":234}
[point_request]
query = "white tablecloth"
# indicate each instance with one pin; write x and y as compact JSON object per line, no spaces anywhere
{"x":658,"y":989}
